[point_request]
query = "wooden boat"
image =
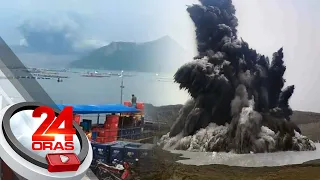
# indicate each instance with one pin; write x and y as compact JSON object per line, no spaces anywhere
{"x":95,"y":74}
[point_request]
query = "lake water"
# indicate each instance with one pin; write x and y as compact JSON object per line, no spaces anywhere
{"x":249,"y":160}
{"x":149,"y":88}
{"x":157,"y":89}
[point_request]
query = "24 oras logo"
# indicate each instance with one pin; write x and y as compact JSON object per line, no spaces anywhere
{"x":44,"y":137}
{"x":40,"y":142}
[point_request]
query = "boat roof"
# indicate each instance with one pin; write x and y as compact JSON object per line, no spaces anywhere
{"x":99,"y":109}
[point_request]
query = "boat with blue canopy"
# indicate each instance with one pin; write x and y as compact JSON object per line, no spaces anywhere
{"x":128,"y":121}
{"x":115,"y":141}
{"x":99,"y":109}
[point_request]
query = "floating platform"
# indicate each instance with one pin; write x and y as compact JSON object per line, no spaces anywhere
{"x":25,"y":77}
{"x":49,"y":75}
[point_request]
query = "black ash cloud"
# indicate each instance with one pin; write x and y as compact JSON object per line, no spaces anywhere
{"x":239,"y":102}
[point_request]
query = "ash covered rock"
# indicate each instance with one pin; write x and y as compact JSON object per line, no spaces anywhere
{"x":238,"y":100}
{"x":244,"y":135}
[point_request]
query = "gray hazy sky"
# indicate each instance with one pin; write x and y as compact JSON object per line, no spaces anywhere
{"x":102,"y":21}
{"x":294,"y":24}
{"x":266,"y":24}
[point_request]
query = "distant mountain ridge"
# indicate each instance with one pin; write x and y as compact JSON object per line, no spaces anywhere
{"x":161,"y":55}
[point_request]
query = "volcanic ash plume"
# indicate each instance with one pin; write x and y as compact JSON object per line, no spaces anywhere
{"x":238,"y":101}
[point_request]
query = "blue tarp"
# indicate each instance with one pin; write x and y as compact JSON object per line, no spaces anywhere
{"x":99,"y":109}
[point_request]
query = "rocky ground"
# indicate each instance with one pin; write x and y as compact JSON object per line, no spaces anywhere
{"x":309,"y":122}
{"x":163,"y":166}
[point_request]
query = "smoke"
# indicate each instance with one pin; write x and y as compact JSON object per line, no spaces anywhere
{"x":238,"y":100}
{"x":56,"y":35}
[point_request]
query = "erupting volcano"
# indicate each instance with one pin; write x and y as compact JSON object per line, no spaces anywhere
{"x":238,"y":100}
